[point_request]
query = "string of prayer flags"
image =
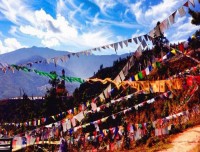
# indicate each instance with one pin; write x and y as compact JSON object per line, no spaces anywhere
{"x":150,"y":101}
{"x":124,"y":111}
{"x":197,"y":61}
{"x":50,"y":75}
{"x":171,"y":19}
{"x":103,"y":106}
{"x":148,"y":69}
{"x":139,"y":130}
{"x":119,"y":77}
{"x":165,"y":23}
{"x":157,"y":86}
{"x":64,"y":58}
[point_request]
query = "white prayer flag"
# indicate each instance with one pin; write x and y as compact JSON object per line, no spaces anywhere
{"x":181,"y":11}
{"x":79,"y":116}
{"x":121,"y":44}
{"x":94,"y":106}
{"x":121,"y":74}
{"x":192,"y":2}
{"x":126,"y":43}
{"x":68,"y":124}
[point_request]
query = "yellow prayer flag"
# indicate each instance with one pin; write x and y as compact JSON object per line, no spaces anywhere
{"x":136,"y":77}
{"x":179,"y":83}
{"x":173,"y":51}
{"x":101,"y":97}
{"x":155,"y":86}
{"x":38,"y":122}
{"x":162,"y":86}
{"x":169,"y":84}
{"x":135,"y":85}
{"x":145,"y":85}
{"x":75,"y":110}
{"x":154,"y":65}
{"x":87,"y":103}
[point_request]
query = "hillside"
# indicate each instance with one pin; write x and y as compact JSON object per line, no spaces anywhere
{"x":138,"y":116}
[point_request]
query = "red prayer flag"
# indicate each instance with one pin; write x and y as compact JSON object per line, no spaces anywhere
{"x":143,"y":73}
{"x":186,"y":4}
{"x":189,"y":80}
{"x":197,"y":79}
{"x":181,"y":47}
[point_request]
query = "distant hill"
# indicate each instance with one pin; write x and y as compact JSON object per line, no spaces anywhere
{"x":35,"y":85}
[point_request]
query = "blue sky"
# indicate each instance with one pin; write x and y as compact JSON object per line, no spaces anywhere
{"x":78,"y":25}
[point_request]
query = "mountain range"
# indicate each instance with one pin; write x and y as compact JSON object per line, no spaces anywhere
{"x":13,"y":84}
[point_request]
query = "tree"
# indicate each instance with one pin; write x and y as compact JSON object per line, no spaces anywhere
{"x":56,"y":84}
{"x":101,"y":66}
{"x":194,"y":42}
{"x":160,"y":41}
{"x":51,"y":101}
{"x":195,"y":17}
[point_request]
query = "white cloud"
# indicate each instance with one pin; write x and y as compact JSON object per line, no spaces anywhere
{"x":138,"y":33}
{"x":155,"y":13}
{"x":61,"y":7}
{"x":183,"y":28}
{"x":50,"y":42}
{"x":49,"y":29}
{"x":13,"y":30}
{"x":115,"y":23}
{"x":54,"y":32}
{"x":59,"y":31}
{"x":95,"y":39}
{"x":9,"y":44}
{"x":64,"y":29}
{"x":104,"y":5}
{"x":95,"y":20}
{"x":70,"y":11}
{"x":17,"y":12}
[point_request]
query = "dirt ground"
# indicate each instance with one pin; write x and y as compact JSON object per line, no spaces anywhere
{"x":186,"y":141}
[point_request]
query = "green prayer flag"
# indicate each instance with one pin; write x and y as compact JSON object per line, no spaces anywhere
{"x":50,"y":75}
{"x":140,"y":75}
{"x":25,"y":69}
{"x":158,"y":64}
{"x":72,"y":79}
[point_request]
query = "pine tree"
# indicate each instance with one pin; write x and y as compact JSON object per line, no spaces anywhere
{"x":194,"y":42}
{"x":51,"y":100}
{"x":195,"y":17}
